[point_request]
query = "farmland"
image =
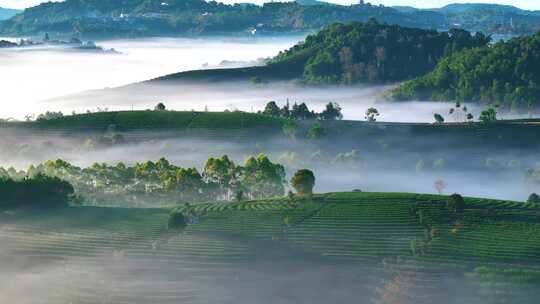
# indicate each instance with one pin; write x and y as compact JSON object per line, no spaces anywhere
{"x":358,"y":239}
{"x":226,"y":123}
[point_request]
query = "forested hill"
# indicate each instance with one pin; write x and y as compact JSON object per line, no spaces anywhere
{"x":492,"y":18}
{"x":488,"y":18}
{"x":176,"y":17}
{"x":506,"y":74}
{"x":372,"y":52}
{"x":193,"y":17}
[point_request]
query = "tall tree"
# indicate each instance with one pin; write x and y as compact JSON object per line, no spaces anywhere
{"x":303,"y":181}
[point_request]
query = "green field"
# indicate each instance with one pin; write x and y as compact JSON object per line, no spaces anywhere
{"x":525,"y":130}
{"x":133,"y":257}
{"x":275,"y":72}
{"x":375,"y":225}
{"x":157,"y":120}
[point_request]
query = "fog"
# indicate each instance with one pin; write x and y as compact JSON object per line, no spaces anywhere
{"x":36,"y":80}
{"x":107,"y":256}
{"x":29,"y":76}
{"x":391,"y":163}
{"x":247,"y":97}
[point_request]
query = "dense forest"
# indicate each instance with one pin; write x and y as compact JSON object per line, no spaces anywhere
{"x":372,"y":52}
{"x":38,"y":191}
{"x":180,"y":17}
{"x":505,"y":74}
{"x":220,"y":180}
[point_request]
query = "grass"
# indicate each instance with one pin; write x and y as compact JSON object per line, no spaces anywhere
{"x":375,"y":225}
{"x":511,"y":131}
{"x":380,"y":135}
{"x":158,"y":120}
{"x":273,"y":72}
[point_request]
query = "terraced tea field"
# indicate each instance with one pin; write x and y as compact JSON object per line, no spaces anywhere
{"x":334,"y":248}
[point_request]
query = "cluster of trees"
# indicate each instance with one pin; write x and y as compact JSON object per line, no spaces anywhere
{"x":48,"y":116}
{"x":459,"y":112}
{"x":38,"y":191}
{"x":533,"y":198}
{"x":504,"y":74}
{"x":373,"y":52}
{"x":302,"y":111}
{"x":221,"y":179}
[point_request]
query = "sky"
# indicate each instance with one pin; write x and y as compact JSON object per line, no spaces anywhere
{"x":525,"y":4}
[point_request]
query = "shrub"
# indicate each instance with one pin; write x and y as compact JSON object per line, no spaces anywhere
{"x":303,"y":181}
{"x":39,"y":191}
{"x":534,"y":198}
{"x":177,"y":220}
{"x":456,"y":203}
{"x":160,"y":107}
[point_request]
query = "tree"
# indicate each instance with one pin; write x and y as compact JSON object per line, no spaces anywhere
{"x":438,"y":118}
{"x":302,"y":112}
{"x":50,"y":115}
{"x":177,"y":220}
{"x":440,"y":185}
{"x":489,"y":115}
{"x":221,"y":171}
{"x":160,"y":107}
{"x":286,"y":110}
{"x":534,"y":198}
{"x":272,"y":109}
{"x":456,"y":203}
{"x":332,"y":112}
{"x":303,"y":181}
{"x":188,"y":182}
{"x":316,"y":131}
{"x":39,"y":191}
{"x":371,"y":114}
{"x":262,"y":178}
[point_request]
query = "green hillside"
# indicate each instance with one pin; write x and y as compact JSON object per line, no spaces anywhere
{"x":357,"y":235}
{"x":504,"y":74}
{"x":375,"y":225}
{"x":146,"y":125}
{"x":348,"y":53}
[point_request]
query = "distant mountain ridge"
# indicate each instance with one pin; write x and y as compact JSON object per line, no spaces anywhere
{"x":134,"y":18}
{"x":6,"y":13}
{"x":313,"y":2}
{"x":467,"y":7}
{"x":196,"y":17}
